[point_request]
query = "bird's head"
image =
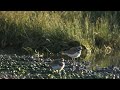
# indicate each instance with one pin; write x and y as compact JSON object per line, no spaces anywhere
{"x":79,"y":48}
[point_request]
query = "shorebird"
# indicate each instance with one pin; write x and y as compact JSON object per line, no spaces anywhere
{"x":73,"y":52}
{"x":58,"y":65}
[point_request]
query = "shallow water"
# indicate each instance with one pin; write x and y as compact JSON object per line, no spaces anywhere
{"x":104,"y":60}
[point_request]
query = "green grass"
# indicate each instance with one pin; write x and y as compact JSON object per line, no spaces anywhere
{"x":55,"y":29}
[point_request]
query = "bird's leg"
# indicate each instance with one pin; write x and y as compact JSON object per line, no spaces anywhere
{"x":72,"y":58}
{"x":74,"y":62}
{"x":59,"y":73}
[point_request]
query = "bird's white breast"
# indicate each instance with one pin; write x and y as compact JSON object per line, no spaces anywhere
{"x":75,"y":55}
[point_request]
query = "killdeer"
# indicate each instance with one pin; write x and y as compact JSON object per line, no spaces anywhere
{"x":73,"y":52}
{"x":58,"y":65}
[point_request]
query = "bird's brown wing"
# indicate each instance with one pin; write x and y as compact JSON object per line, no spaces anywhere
{"x":71,"y":51}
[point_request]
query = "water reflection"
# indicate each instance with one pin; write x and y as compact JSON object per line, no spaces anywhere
{"x":104,"y":60}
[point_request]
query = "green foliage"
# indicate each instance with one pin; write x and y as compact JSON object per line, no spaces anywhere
{"x":52,"y":29}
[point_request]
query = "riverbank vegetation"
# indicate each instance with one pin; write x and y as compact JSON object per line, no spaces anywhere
{"x":54,"y":31}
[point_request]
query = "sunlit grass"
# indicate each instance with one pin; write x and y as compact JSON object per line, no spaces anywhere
{"x":52,"y":29}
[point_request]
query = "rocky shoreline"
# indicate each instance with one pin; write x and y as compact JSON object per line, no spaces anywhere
{"x":30,"y":67}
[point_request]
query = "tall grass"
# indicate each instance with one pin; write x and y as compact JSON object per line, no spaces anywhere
{"x":55,"y":29}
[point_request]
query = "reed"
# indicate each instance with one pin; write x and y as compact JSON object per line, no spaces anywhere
{"x":55,"y":29}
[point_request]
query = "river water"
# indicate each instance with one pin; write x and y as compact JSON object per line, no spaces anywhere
{"x":104,"y":60}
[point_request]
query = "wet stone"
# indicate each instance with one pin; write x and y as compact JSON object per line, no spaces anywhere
{"x":23,"y":67}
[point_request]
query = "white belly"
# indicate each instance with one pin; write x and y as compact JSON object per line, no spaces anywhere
{"x":58,"y":67}
{"x":75,"y":55}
